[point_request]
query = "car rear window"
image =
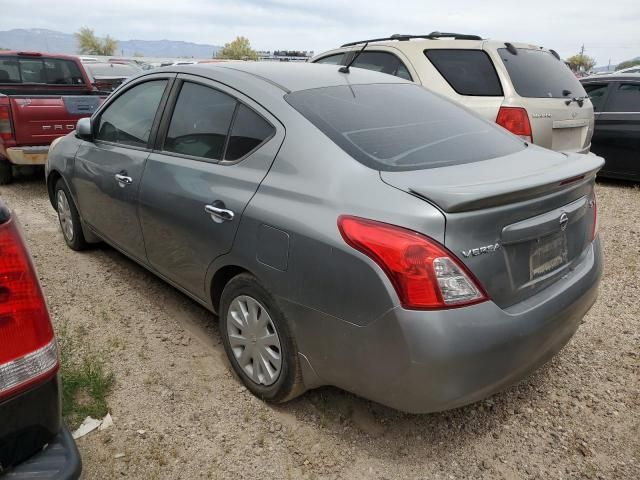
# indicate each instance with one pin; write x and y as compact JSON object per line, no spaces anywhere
{"x":401,"y":126}
{"x":469,"y":72}
{"x":538,"y":74}
{"x":47,"y":71}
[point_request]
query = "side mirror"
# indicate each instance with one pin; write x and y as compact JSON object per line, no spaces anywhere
{"x":84,"y":130}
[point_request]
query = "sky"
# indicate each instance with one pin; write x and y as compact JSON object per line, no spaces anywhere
{"x":608,"y":30}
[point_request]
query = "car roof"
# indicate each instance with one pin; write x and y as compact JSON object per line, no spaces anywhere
{"x":22,"y":54}
{"x":290,"y":76}
{"x":612,"y":77}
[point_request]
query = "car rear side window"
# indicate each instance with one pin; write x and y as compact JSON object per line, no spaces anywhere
{"x":383,"y":62}
{"x":331,"y":59}
{"x":469,"y":72}
{"x":200,"y":122}
{"x":249,"y":131}
{"x":401,"y":126}
{"x":625,"y":97}
{"x":538,"y":74}
{"x":597,"y":93}
{"x":129,"y":118}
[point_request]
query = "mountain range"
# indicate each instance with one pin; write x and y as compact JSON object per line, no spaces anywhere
{"x":51,"y":41}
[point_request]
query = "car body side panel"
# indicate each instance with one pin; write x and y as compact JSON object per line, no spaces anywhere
{"x":304,"y":199}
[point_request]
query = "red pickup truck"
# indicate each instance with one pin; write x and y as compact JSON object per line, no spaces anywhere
{"x":42,"y":97}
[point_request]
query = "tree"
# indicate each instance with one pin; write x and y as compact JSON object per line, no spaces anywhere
{"x":628,"y":63}
{"x":89,"y":44}
{"x":582,"y":62}
{"x":239,"y":49}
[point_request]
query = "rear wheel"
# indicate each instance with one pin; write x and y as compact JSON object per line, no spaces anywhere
{"x":6,"y":172}
{"x":258,"y":341}
{"x":69,"y":218}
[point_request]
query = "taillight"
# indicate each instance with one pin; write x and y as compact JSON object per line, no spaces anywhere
{"x":424,"y":273}
{"x":6,"y":132}
{"x":28,"y":352}
{"x":594,"y":205}
{"x":516,"y":120}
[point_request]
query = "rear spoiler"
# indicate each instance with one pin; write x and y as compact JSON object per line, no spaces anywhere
{"x":473,"y":192}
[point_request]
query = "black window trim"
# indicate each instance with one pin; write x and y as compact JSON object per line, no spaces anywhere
{"x":95,"y":119}
{"x":465,"y":50}
{"x":163,"y":130}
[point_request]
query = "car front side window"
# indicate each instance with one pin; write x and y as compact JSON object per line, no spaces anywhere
{"x":383,"y":62}
{"x":596,"y":94}
{"x":129,"y":118}
{"x":625,"y":98}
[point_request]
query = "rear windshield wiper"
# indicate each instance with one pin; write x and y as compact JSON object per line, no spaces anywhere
{"x":578,"y":100}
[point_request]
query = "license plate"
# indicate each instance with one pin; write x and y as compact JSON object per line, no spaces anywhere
{"x":547,"y":254}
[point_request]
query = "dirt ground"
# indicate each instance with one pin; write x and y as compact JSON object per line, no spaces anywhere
{"x":179,"y":412}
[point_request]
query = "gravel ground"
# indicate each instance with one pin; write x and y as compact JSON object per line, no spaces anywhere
{"x":179,"y":412}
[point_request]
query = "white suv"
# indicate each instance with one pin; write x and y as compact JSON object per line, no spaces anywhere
{"x":525,"y":88}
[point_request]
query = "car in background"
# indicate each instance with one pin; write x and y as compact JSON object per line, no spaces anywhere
{"x":616,"y":101}
{"x":391,"y":243}
{"x":42,"y":96}
{"x":634,"y":69}
{"x":34,"y":442}
{"x":524,"y":88}
{"x":107,"y":76}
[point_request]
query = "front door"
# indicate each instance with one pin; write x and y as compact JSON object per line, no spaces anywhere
{"x":108,"y":170}
{"x":212,"y":152}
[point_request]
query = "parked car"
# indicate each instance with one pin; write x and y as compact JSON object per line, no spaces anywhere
{"x":34,"y":442}
{"x":41,"y":98}
{"x":634,"y":69}
{"x":107,"y":76}
{"x":390,"y":243}
{"x":524,"y":88}
{"x":616,"y":100}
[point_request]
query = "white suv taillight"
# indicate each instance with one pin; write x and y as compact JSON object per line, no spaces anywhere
{"x":28,"y":352}
{"x":424,"y":273}
{"x":516,"y":120}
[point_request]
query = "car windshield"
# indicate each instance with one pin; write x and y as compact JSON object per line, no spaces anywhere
{"x":401,"y":126}
{"x":538,"y":74}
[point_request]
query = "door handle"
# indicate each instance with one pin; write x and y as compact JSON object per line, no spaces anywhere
{"x":219,"y":214}
{"x":123,"y":180}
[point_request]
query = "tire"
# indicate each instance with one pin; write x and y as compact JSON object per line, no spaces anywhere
{"x":245,"y":354}
{"x":6,"y":172}
{"x":69,"y":218}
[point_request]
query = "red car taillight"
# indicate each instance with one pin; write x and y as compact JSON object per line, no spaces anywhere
{"x":424,"y":273}
{"x":516,"y":120}
{"x":28,"y":352}
{"x":6,"y":131}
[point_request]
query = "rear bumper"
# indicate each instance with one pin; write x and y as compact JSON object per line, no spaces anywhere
{"x":28,"y":155}
{"x":422,"y":362}
{"x":59,"y":460}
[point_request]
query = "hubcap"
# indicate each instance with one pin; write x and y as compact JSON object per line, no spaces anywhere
{"x":64,"y":215}
{"x":254,"y":340}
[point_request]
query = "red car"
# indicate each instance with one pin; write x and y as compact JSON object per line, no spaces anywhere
{"x":42,"y":97}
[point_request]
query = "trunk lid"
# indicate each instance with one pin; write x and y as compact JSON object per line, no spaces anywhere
{"x":518,"y":222}
{"x":38,"y":120}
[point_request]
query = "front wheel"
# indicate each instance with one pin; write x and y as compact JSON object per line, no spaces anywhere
{"x":69,"y":218}
{"x":258,"y":341}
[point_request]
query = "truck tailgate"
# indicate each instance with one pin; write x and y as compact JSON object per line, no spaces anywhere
{"x":38,"y":120}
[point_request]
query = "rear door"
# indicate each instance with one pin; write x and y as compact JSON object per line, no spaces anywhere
{"x":617,"y":134}
{"x":108,"y":171}
{"x":561,"y":118}
{"x":214,"y":149}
